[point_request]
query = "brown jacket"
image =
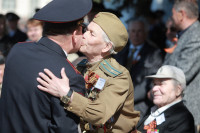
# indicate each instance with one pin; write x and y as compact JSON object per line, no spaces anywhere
{"x":116,"y":98}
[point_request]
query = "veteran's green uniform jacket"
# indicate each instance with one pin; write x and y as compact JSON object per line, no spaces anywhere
{"x":116,"y":99}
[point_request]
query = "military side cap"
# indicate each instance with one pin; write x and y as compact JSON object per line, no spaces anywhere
{"x":114,"y":29}
{"x":62,"y":11}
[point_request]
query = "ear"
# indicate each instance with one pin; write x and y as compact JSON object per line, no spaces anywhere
{"x":75,"y":34}
{"x":107,"y":48}
{"x":74,"y":39}
{"x":179,"y":91}
{"x":181,"y":15}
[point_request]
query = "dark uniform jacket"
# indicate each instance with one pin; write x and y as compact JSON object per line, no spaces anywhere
{"x":26,"y":109}
{"x":178,"y":119}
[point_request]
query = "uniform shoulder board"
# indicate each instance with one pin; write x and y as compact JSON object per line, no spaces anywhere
{"x":109,"y":69}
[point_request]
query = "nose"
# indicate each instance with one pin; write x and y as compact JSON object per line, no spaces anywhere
{"x":155,"y":88}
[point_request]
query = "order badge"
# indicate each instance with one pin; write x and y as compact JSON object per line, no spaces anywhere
{"x":100,"y":83}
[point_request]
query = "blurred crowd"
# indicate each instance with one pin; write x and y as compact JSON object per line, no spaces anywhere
{"x":151,"y":43}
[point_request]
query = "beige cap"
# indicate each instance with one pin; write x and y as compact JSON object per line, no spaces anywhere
{"x":114,"y":29}
{"x":172,"y":72}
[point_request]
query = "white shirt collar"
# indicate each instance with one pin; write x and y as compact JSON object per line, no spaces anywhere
{"x":155,"y":112}
{"x":65,"y":53}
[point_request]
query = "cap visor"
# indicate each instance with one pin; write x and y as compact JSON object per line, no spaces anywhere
{"x":158,"y":76}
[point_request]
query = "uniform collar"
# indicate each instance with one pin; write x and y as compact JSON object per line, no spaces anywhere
{"x":45,"y":41}
{"x":94,"y":65}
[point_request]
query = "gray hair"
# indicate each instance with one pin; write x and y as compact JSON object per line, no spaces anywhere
{"x":107,"y":40}
{"x":189,"y":6}
{"x":176,"y":83}
{"x":141,"y":20}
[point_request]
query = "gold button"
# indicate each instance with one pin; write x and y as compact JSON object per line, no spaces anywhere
{"x":87,"y":126}
{"x":104,"y":63}
{"x":70,"y":108}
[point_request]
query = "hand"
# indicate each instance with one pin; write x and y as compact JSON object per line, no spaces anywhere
{"x":52,"y":84}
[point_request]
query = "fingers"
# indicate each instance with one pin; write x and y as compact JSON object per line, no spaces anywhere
{"x":42,"y":88}
{"x":50,"y":91}
{"x":63,"y":74}
{"x":44,"y":77}
{"x":49,"y":73}
{"x":42,"y":82}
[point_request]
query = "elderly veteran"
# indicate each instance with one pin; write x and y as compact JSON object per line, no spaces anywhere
{"x":110,"y":103}
{"x":25,"y":109}
{"x":169,"y":115}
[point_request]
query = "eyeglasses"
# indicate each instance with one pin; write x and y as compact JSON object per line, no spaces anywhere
{"x":83,"y":25}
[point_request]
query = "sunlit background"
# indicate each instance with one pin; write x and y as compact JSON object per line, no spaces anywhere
{"x":128,"y":8}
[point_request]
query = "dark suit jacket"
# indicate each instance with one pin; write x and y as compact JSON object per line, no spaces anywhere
{"x":178,"y":119}
{"x":26,"y":109}
{"x":19,"y":36}
{"x":150,"y":61}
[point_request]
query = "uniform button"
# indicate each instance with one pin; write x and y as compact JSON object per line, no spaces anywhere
{"x":70,"y":108}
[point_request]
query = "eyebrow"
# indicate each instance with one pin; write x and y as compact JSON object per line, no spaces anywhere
{"x":91,"y":31}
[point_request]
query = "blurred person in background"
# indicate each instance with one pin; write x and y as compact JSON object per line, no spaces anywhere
{"x":14,"y":33}
{"x":171,"y":34}
{"x":34,"y":29}
{"x":4,"y":39}
{"x":2,"y":66}
{"x":143,"y":59}
{"x":186,"y":55}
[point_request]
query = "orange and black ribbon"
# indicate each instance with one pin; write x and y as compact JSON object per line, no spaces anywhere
{"x":151,"y":125}
{"x":91,"y":79}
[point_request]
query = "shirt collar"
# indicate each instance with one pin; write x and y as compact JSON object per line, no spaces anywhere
{"x":179,"y":34}
{"x":139,"y":47}
{"x":155,"y":111}
{"x":65,"y":52}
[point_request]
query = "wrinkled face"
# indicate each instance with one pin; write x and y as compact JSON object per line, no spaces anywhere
{"x":93,"y":41}
{"x":137,"y":33}
{"x":2,"y":66}
{"x":176,"y":18}
{"x":34,"y":32}
{"x":164,"y":92}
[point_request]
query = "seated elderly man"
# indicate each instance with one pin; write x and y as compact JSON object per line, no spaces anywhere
{"x":169,"y":115}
